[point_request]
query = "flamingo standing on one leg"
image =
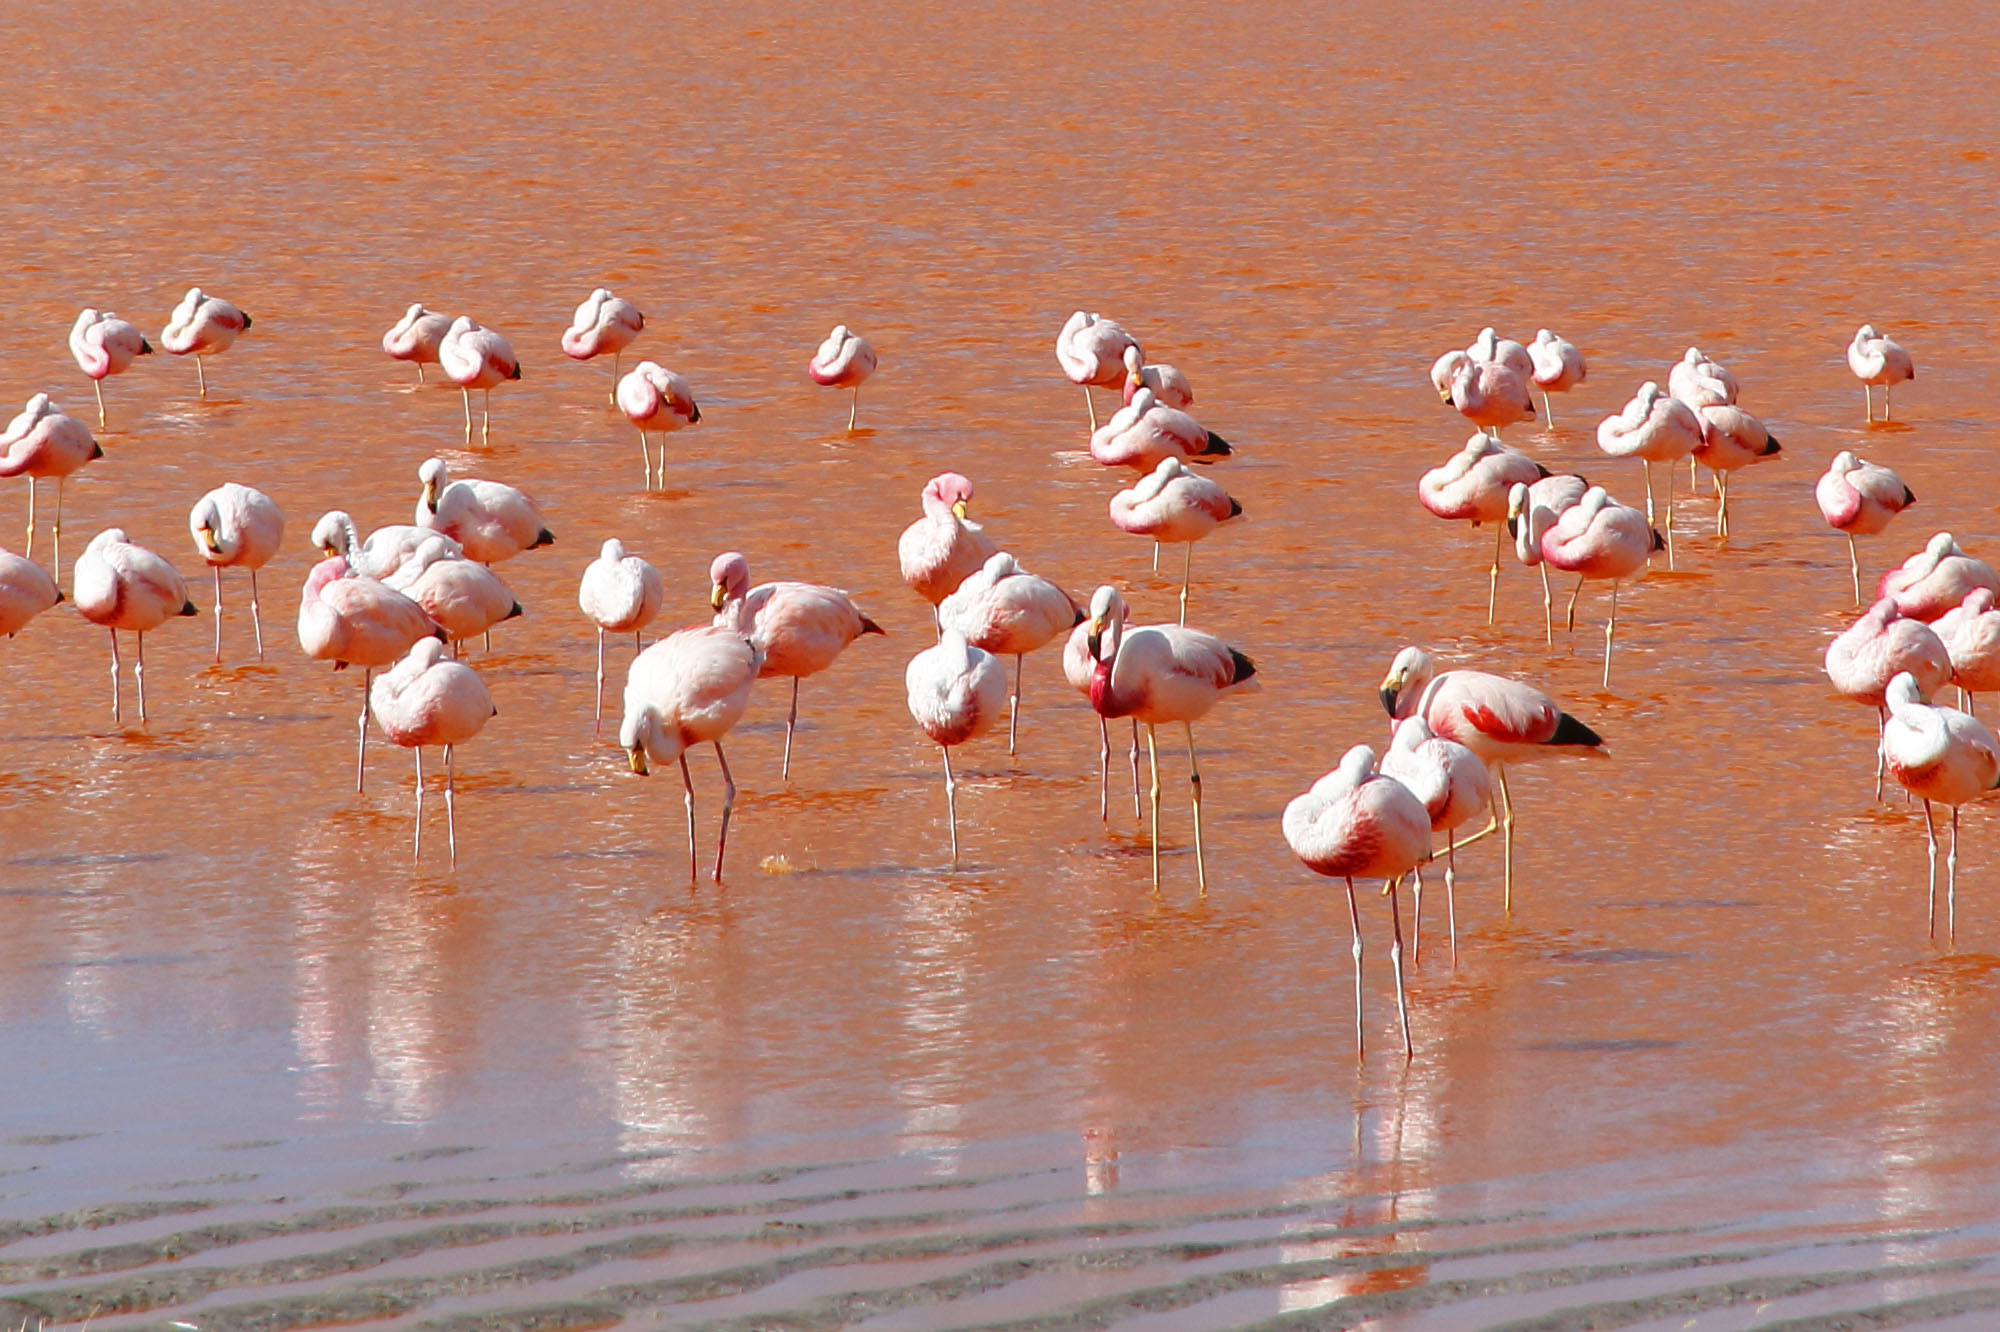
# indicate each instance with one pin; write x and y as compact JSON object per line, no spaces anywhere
{"x":202,"y":326}
{"x":1170,"y":387}
{"x":26,"y":590}
{"x":1943,"y":755}
{"x":1858,"y":498}
{"x":1559,"y":368}
{"x":603,"y":323}
{"x":1007,"y":611}
{"x":103,"y":344}
{"x":622,"y":595}
{"x":477,"y":358}
{"x":1453,"y":786}
{"x":492,"y":521}
{"x":1173,"y":504}
{"x":1145,"y":432}
{"x":844,"y":360}
{"x":1731,"y":439}
{"x":1472,"y":487}
{"x":1881,"y":645}
{"x":1596,"y":538}
{"x":1358,"y":822}
{"x":688,"y":689}
{"x":465,"y":597}
{"x":382,"y":553}
{"x":119,"y":585}
{"x":800,"y":628}
{"x":1876,"y":359}
{"x":1970,"y":633}
{"x":1936,"y":578}
{"x":44,"y":441}
{"x":1078,"y":669}
{"x":1654,"y":428}
{"x":236,"y":527}
{"x":955,"y":692}
{"x":1699,"y":380}
{"x":354,"y":621}
{"x":942,"y":549}
{"x":426,"y":700}
{"x":1091,"y":350}
{"x":417,"y":337}
{"x":1159,"y":674}
{"x":1557,"y":493}
{"x":654,"y":398}
{"x":1501,"y":720}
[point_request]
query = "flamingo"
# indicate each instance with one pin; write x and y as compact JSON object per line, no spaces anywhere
{"x":1501,"y":720}
{"x":1558,"y":367}
{"x":1653,"y":427}
{"x":202,"y":326}
{"x":1858,"y":498}
{"x":688,"y":689}
{"x":1358,"y":822}
{"x":800,"y":628}
{"x":1472,"y":487}
{"x":1557,"y":493}
{"x":119,"y":585}
{"x":844,"y":360}
{"x":1078,"y":668}
{"x":354,"y":621}
{"x":103,"y":344}
{"x":476,"y":358}
{"x":942,"y":549}
{"x":417,"y":337}
{"x":1445,"y":369}
{"x":1936,"y":578}
{"x":1159,"y":674}
{"x":466,"y":598}
{"x":1881,"y":645}
{"x":236,"y":527}
{"x":493,"y":522}
{"x":426,"y":700}
{"x":1091,"y":350}
{"x":1145,"y":431}
{"x":382,"y":553}
{"x":622,"y":595}
{"x":603,"y":323}
{"x":1731,"y":439}
{"x":1491,"y":395}
{"x":1937,"y":754}
{"x":1699,"y":380}
{"x":43,"y":441}
{"x":1169,"y":385}
{"x":1452,"y":785}
{"x":955,"y":692}
{"x":1970,"y":632}
{"x":1876,"y":359}
{"x":26,"y":590}
{"x":1489,"y":348}
{"x":1173,"y":504}
{"x":1007,"y":611}
{"x":654,"y":398}
{"x":1597,"y":538}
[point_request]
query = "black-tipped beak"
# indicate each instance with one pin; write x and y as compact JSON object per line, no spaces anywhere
{"x":637,"y":758}
{"x":1389,"y":699}
{"x":716,"y":596}
{"x":1513,"y":526}
{"x":1094,"y":642}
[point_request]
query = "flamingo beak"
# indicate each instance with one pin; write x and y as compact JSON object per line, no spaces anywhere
{"x":716,"y":596}
{"x":326,"y":548}
{"x":1094,"y":641}
{"x":1444,"y":396}
{"x":1392,"y":687}
{"x":637,"y":758}
{"x":430,"y":496}
{"x":208,"y":541}
{"x":958,"y":510}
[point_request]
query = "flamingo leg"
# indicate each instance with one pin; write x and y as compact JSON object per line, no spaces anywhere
{"x":597,"y":717}
{"x":1868,"y":402}
{"x":1014,"y":706}
{"x":450,"y":818}
{"x":687,"y":782}
{"x":1888,"y":402}
{"x":950,"y":803}
{"x":1647,"y":463}
{"x":1548,"y":416}
{"x":1854,"y":567}
{"x":486,"y":416}
{"x":114,"y":677}
{"x":1135,"y":767}
{"x":97,"y":387}
{"x":1153,"y":753}
{"x":201,"y":377}
{"x":1506,"y":842}
{"x":1569,"y":616}
{"x":217,"y":571}
{"x":1194,"y":786}
{"x":1451,"y":890}
{"x":1417,"y":921}
{"x":55,"y":570}
{"x":1951,"y":885}
{"x":791,"y":721}
{"x":1187,"y":576}
{"x":466,"y":395}
{"x":1610,"y":628}
{"x":1103,"y":769}
{"x":1881,"y":725}
{"x":1670,"y":518}
{"x":256,"y":615}
{"x":417,"y":842}
{"x":1092,"y":406}
{"x":1354,"y":919}
{"x":646,"y":461}
{"x":1396,"y":962}
{"x":361,"y":749}
{"x":1548,"y":609}
{"x":420,"y":372}
{"x":1722,"y":504}
{"x":1493,"y":573}
{"x":1156,"y":557}
{"x":728,"y":803}
{"x":139,"y":675}
{"x":854,"y":408}
{"x":1930,"y":836}
{"x":614,"y":379}
{"x":1694,"y":477}
{"x":31,"y":518}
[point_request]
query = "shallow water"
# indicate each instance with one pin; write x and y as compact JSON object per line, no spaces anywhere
{"x":263,"y":1072}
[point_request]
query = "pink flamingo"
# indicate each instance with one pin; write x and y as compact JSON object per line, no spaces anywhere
{"x":1858,"y":498}
{"x":236,"y":527}
{"x":202,"y":326}
{"x":1489,"y":348}
{"x":1558,"y":493}
{"x":1491,"y":395}
{"x":1159,"y":674}
{"x":1356,"y":821}
{"x":354,"y":621}
{"x":1453,"y":786}
{"x":1597,"y":538}
{"x":1970,"y":632}
{"x":1078,"y":668}
{"x":493,"y":522}
{"x":477,"y":358}
{"x":1943,"y":755}
{"x":1935,"y":579}
{"x":1699,"y":380}
{"x":417,"y":337}
{"x":1091,"y":350}
{"x":1472,"y":487}
{"x":26,"y":590}
{"x":621,"y":594}
{"x":1881,"y":645}
{"x":1173,"y":504}
{"x":43,"y":441}
{"x":465,"y":597}
{"x":800,"y":628}
{"x":844,"y":360}
{"x":1731,"y":439}
{"x":1145,"y":431}
{"x":942,"y":549}
{"x":1169,"y":385}
{"x":1558,"y":367}
{"x":119,"y":585}
{"x":654,"y":398}
{"x":1654,"y":428}
{"x":1876,"y":359}
{"x":688,"y":689}
{"x":103,"y":344}
{"x":426,"y":700}
{"x":955,"y":692}
{"x":1501,"y":720}
{"x":603,"y":323}
{"x":1007,"y":611}
{"x":382,"y":553}
{"x":1445,"y":369}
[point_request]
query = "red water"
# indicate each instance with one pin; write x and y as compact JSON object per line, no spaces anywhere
{"x":1710,"y":1071}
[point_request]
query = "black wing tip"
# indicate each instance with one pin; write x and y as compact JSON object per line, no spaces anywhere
{"x":1909,"y":496}
{"x":1235,"y":509}
{"x":247,"y":321}
{"x":437,"y":632}
{"x":1544,"y":473}
{"x":1771,"y":446}
{"x":145,"y":347}
{"x":96,"y":451}
{"x":543,"y":538}
{"x":1241,"y":667}
{"x":1570,"y":731}
{"x":187,"y":608}
{"x":514,"y":613}
{"x":1659,"y":542}
{"x":694,"y":415}
{"x":515,"y":373}
{"x":869,"y":626}
{"x":60,"y":599}
{"x":1217,"y":446}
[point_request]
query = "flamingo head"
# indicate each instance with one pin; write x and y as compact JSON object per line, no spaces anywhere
{"x":1843,"y":463}
{"x":950,"y":491}
{"x":333,"y":534}
{"x":1902,"y":691}
{"x":1866,"y":333}
{"x":841,"y":333}
{"x":1408,"y":675}
{"x":1106,"y":619}
{"x":1142,"y":402}
{"x":641,"y":726}
{"x":435,"y":477}
{"x":204,"y":524}
{"x":729,"y":579}
{"x":1135,"y":360}
{"x":1444,"y":370}
{"x":1543,"y":337}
